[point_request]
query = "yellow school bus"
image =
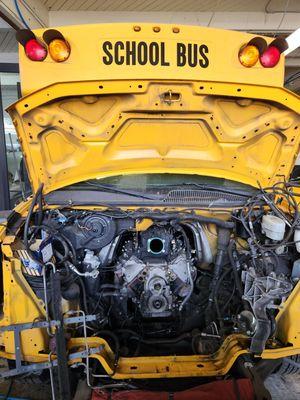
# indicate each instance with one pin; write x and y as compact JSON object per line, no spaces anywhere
{"x":162,"y":237}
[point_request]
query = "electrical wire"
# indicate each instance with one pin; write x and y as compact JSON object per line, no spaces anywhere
{"x":292,"y":78}
{"x":282,"y":17}
{"x":20,"y":14}
{"x":266,"y":199}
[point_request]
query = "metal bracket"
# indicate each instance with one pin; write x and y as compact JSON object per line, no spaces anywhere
{"x":18,"y":328}
{"x":170,"y":97}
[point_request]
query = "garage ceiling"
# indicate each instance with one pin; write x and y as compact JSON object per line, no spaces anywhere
{"x":273,"y":6}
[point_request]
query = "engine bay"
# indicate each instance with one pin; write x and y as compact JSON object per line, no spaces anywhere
{"x":166,"y":282}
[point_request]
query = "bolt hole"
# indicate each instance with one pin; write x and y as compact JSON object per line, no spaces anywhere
{"x":100,"y":87}
{"x":244,"y":137}
{"x":140,"y":86}
{"x":238,"y":90}
{"x":25,"y":105}
{"x":201,"y":87}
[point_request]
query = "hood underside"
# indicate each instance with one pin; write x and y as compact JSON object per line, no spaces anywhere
{"x":147,"y":127}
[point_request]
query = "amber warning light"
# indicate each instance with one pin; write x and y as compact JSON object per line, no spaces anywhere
{"x":258,"y":50}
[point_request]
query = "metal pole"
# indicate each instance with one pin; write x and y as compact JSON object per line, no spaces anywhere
{"x":4,"y":184}
{"x":61,"y":351}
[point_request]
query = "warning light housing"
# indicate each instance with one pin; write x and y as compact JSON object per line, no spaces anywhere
{"x":258,"y":49}
{"x":248,"y":55}
{"x":270,"y":57}
{"x":35,"y":50}
{"x":59,"y":48}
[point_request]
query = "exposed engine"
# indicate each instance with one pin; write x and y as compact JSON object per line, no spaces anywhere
{"x":156,"y":273}
{"x":170,"y":282}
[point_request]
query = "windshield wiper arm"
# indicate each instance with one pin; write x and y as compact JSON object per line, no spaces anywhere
{"x":113,"y":189}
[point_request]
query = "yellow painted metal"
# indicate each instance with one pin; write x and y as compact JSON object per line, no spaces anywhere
{"x":20,"y":306}
{"x":215,"y":364}
{"x":236,"y":131}
{"x":218,"y":61}
{"x":288,"y":322}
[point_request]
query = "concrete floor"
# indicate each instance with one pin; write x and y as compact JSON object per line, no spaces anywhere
{"x":284,"y":387}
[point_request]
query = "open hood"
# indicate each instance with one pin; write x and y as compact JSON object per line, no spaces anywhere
{"x":240,"y":132}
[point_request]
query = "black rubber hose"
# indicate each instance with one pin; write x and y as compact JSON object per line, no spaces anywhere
{"x":61,"y":237}
{"x":222,"y":245}
{"x":116,"y":341}
{"x":40,"y":209}
{"x":187,"y":216}
{"x":35,"y":198}
{"x":136,"y":336}
{"x":260,"y":337}
{"x":263,"y":326}
{"x":216,"y":303}
{"x":180,"y":338}
{"x":83,"y":292}
{"x":237,"y":279}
